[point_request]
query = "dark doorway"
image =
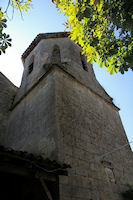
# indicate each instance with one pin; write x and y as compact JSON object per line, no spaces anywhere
{"x":20,"y":188}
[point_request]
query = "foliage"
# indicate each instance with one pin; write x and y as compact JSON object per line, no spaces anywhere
{"x":5,"y":40}
{"x":104,"y":30}
{"x":21,"y":5}
{"x":129,"y":193}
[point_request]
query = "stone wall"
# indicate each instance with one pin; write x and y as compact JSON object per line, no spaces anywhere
{"x":70,"y":59}
{"x":32,"y":124}
{"x":89,"y":127}
{"x":7,"y":93}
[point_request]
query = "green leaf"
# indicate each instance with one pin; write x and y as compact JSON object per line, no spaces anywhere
{"x":101,"y":64}
{"x":112,"y":71}
{"x":94,"y":25}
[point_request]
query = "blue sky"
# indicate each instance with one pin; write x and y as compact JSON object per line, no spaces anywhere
{"x":43,"y":18}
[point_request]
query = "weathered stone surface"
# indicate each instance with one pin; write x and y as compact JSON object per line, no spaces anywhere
{"x":89,"y":127}
{"x":32,"y":125}
{"x":7,"y":93}
{"x":70,"y":57}
{"x":62,"y":112}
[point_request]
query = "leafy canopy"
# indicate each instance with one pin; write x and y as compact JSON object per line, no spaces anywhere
{"x":104,"y":30}
{"x":21,"y":5}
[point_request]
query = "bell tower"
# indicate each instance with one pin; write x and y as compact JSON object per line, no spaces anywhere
{"x":61,"y":112}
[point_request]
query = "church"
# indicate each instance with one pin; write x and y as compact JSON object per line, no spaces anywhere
{"x":60,"y":132}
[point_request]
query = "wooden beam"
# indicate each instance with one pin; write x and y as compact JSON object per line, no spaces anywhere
{"x":46,"y":189}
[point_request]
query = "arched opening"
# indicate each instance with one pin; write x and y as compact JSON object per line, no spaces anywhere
{"x":56,"y":58}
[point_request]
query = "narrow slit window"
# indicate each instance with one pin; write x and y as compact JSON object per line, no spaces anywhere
{"x":30,"y":68}
{"x":56,"y":58}
{"x":30,"y":65}
{"x":84,"y":65}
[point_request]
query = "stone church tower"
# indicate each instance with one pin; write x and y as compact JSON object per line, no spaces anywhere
{"x":61,"y":112}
